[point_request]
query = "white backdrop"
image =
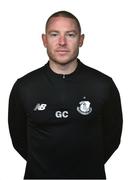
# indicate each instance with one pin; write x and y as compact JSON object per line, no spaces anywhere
{"x":105,"y":25}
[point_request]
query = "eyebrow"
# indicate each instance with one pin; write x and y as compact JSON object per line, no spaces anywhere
{"x":70,"y":31}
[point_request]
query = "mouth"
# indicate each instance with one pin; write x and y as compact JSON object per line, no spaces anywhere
{"x":62,"y":51}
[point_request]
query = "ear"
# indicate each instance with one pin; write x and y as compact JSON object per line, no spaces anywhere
{"x":44,"y":39}
{"x":81,"y":40}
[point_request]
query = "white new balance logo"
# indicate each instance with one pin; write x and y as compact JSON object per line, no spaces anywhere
{"x":40,"y":107}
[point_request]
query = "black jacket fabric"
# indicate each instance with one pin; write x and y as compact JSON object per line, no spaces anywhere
{"x":65,"y":126}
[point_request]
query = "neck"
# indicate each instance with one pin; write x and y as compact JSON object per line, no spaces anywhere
{"x":63,"y":68}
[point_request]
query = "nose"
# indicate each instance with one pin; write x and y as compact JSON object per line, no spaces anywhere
{"x":62,"y":40}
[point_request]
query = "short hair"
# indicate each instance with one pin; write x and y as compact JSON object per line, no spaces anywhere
{"x":63,"y":14}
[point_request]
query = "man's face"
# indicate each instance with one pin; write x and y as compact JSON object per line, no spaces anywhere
{"x":62,"y":40}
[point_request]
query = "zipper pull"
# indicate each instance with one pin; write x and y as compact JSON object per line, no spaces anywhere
{"x":63,"y":76}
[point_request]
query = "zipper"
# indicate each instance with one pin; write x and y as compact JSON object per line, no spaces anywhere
{"x":63,"y":76}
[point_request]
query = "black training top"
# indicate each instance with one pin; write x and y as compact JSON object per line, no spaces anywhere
{"x":65,"y":126}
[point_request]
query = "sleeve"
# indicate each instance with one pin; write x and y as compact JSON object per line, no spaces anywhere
{"x":17,"y":120}
{"x":112,"y":122}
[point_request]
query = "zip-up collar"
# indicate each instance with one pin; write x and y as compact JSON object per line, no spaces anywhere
{"x":51,"y":73}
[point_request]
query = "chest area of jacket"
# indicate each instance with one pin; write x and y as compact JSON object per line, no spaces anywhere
{"x":62,"y":103}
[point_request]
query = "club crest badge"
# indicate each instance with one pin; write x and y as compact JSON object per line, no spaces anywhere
{"x":84,"y":107}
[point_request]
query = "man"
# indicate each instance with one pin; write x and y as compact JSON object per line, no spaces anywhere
{"x":65,"y":118}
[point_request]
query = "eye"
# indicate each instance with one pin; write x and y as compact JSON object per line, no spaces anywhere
{"x":72,"y":35}
{"x":53,"y":34}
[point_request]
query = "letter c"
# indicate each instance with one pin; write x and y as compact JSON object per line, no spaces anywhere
{"x":65,"y":114}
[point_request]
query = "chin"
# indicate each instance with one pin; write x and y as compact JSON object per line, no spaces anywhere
{"x":63,"y":61}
